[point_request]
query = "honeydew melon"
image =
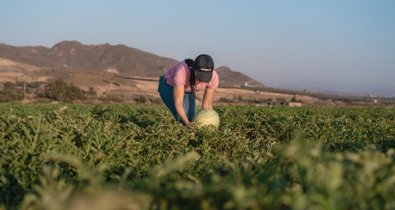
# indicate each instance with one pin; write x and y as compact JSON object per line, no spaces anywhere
{"x":207,"y":117}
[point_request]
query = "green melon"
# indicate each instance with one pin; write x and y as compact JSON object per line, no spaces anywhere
{"x":207,"y":117}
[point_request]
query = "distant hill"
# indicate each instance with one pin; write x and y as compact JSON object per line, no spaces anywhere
{"x":119,"y":59}
{"x":74,"y":55}
{"x":229,"y":78}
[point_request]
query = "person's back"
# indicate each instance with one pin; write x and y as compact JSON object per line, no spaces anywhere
{"x":178,"y":86}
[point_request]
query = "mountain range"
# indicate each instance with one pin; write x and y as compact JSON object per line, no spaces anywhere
{"x":118,"y":59}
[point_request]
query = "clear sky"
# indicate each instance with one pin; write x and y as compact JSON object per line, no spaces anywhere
{"x":339,"y":45}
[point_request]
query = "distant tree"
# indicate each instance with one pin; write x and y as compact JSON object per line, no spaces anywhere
{"x":74,"y":92}
{"x":56,"y":90}
{"x":59,"y":90}
{"x":10,"y":93}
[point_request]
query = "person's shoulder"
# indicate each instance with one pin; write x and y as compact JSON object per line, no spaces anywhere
{"x":178,"y":68}
{"x":215,"y":75}
{"x":214,"y":82}
{"x":180,"y":73}
{"x":182,"y":65}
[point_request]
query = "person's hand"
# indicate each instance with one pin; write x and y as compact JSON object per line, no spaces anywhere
{"x":187,"y":123}
{"x":191,"y":124}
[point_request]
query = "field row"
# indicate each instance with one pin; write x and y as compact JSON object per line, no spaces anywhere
{"x":68,"y":156}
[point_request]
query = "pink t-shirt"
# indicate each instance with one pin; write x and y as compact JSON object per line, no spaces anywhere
{"x":179,"y":75}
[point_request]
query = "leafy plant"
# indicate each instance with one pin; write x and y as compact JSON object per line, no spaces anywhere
{"x":68,"y":156}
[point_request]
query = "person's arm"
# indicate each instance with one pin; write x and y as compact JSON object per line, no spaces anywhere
{"x":208,"y":98}
{"x":178,"y":96}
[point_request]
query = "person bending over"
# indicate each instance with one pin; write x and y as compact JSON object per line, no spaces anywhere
{"x":179,"y":85}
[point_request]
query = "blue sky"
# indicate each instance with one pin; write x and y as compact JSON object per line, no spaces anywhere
{"x":338,"y":45}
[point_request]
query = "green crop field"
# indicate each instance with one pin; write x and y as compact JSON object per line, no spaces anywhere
{"x":67,"y":156}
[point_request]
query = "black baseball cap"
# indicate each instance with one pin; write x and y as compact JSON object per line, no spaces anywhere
{"x":204,"y":67}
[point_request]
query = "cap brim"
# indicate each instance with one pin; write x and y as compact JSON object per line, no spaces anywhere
{"x":204,"y":76}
